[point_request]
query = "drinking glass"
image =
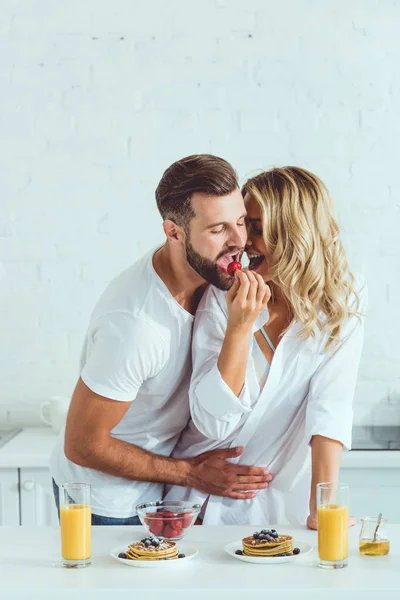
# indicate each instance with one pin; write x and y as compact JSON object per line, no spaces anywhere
{"x":333,"y":517}
{"x":76,"y":524}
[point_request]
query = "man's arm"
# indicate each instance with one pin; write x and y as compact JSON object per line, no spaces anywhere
{"x":88,"y":443}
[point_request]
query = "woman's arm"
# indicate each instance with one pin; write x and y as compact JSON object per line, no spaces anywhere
{"x":325,"y":456}
{"x":245,"y":300}
{"x":329,"y":414}
{"x":222,"y":335}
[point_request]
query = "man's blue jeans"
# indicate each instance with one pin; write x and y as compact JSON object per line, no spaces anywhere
{"x":98,"y":519}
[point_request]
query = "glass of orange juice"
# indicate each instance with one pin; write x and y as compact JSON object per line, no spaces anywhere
{"x":76,"y":524}
{"x":333,"y":517}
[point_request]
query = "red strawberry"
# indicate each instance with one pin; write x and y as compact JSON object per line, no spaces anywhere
{"x":170,"y":531}
{"x":186,"y":519}
{"x":177,"y":524}
{"x":167,"y":514}
{"x":156,"y":526}
{"x":234,"y":266}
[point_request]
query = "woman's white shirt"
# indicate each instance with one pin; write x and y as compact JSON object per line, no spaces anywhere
{"x":308,"y":392}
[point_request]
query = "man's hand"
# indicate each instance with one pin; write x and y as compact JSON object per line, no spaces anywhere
{"x":312,"y":522}
{"x":88,"y":443}
{"x":212,"y":473}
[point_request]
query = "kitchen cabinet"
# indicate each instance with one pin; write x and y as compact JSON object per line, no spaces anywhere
{"x":36,"y":497}
{"x":9,"y":497}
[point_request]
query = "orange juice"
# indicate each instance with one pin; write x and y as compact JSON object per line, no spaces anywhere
{"x":76,"y":523}
{"x":332,"y":532}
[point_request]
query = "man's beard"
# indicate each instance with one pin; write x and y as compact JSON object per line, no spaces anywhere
{"x":208,"y":269}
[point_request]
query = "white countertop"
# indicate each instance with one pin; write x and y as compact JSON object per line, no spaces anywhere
{"x":29,"y":448}
{"x":32,"y":448}
{"x":30,"y":568}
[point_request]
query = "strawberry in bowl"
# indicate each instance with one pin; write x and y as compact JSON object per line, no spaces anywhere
{"x":169,"y":519}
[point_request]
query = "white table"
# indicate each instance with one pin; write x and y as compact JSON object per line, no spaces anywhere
{"x":30,"y":568}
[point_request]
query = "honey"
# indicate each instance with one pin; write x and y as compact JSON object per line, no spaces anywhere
{"x":371,"y":548}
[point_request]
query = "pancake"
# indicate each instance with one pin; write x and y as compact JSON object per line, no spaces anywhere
{"x":164,"y":550}
{"x":278,"y":546}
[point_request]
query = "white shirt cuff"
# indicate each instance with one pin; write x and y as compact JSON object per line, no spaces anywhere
{"x":216,"y":397}
{"x":333,"y":431}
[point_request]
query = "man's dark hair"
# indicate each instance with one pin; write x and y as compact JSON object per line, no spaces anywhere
{"x":199,"y":173}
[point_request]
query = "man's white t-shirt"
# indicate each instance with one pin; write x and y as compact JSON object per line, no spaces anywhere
{"x":137,"y":349}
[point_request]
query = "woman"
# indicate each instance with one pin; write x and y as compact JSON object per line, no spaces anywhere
{"x":281,"y":383}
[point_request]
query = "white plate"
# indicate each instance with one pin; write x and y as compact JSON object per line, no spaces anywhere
{"x":188,"y":551}
{"x":267,"y":560}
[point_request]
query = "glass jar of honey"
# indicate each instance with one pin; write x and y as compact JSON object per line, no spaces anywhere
{"x":371,"y":544}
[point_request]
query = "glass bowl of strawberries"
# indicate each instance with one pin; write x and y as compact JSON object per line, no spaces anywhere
{"x":170,"y":519}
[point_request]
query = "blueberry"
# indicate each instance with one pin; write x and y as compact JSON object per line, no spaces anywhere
{"x":296,"y":551}
{"x":273,"y":530}
{"x":155,"y":543}
{"x":239,"y":552}
{"x":122,"y":555}
{"x":263,"y":531}
{"x":161,"y":539}
{"x":269,"y":537}
{"x":274,"y":535}
{"x":255,"y":535}
{"x":147,"y":543}
{"x":181,"y":555}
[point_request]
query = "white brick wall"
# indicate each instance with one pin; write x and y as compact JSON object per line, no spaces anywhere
{"x":98,"y":98}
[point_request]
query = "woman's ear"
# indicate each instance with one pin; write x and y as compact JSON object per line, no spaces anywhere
{"x":175,"y":233}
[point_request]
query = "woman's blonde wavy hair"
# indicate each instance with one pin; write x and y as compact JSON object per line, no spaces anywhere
{"x":308,"y":260}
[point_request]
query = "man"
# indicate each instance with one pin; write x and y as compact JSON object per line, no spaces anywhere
{"x":131,"y":401}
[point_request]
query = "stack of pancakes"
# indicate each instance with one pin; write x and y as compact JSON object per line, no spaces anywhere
{"x":166,"y":550}
{"x":281,"y":545}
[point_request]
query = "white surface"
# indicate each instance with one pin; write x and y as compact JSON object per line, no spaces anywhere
{"x":259,"y":83}
{"x":29,"y":448}
{"x":30,"y":569}
{"x":189,"y":552}
{"x":267,"y":560}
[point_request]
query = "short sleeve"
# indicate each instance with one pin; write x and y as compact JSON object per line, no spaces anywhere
{"x":122,"y":351}
{"x":332,"y":387}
